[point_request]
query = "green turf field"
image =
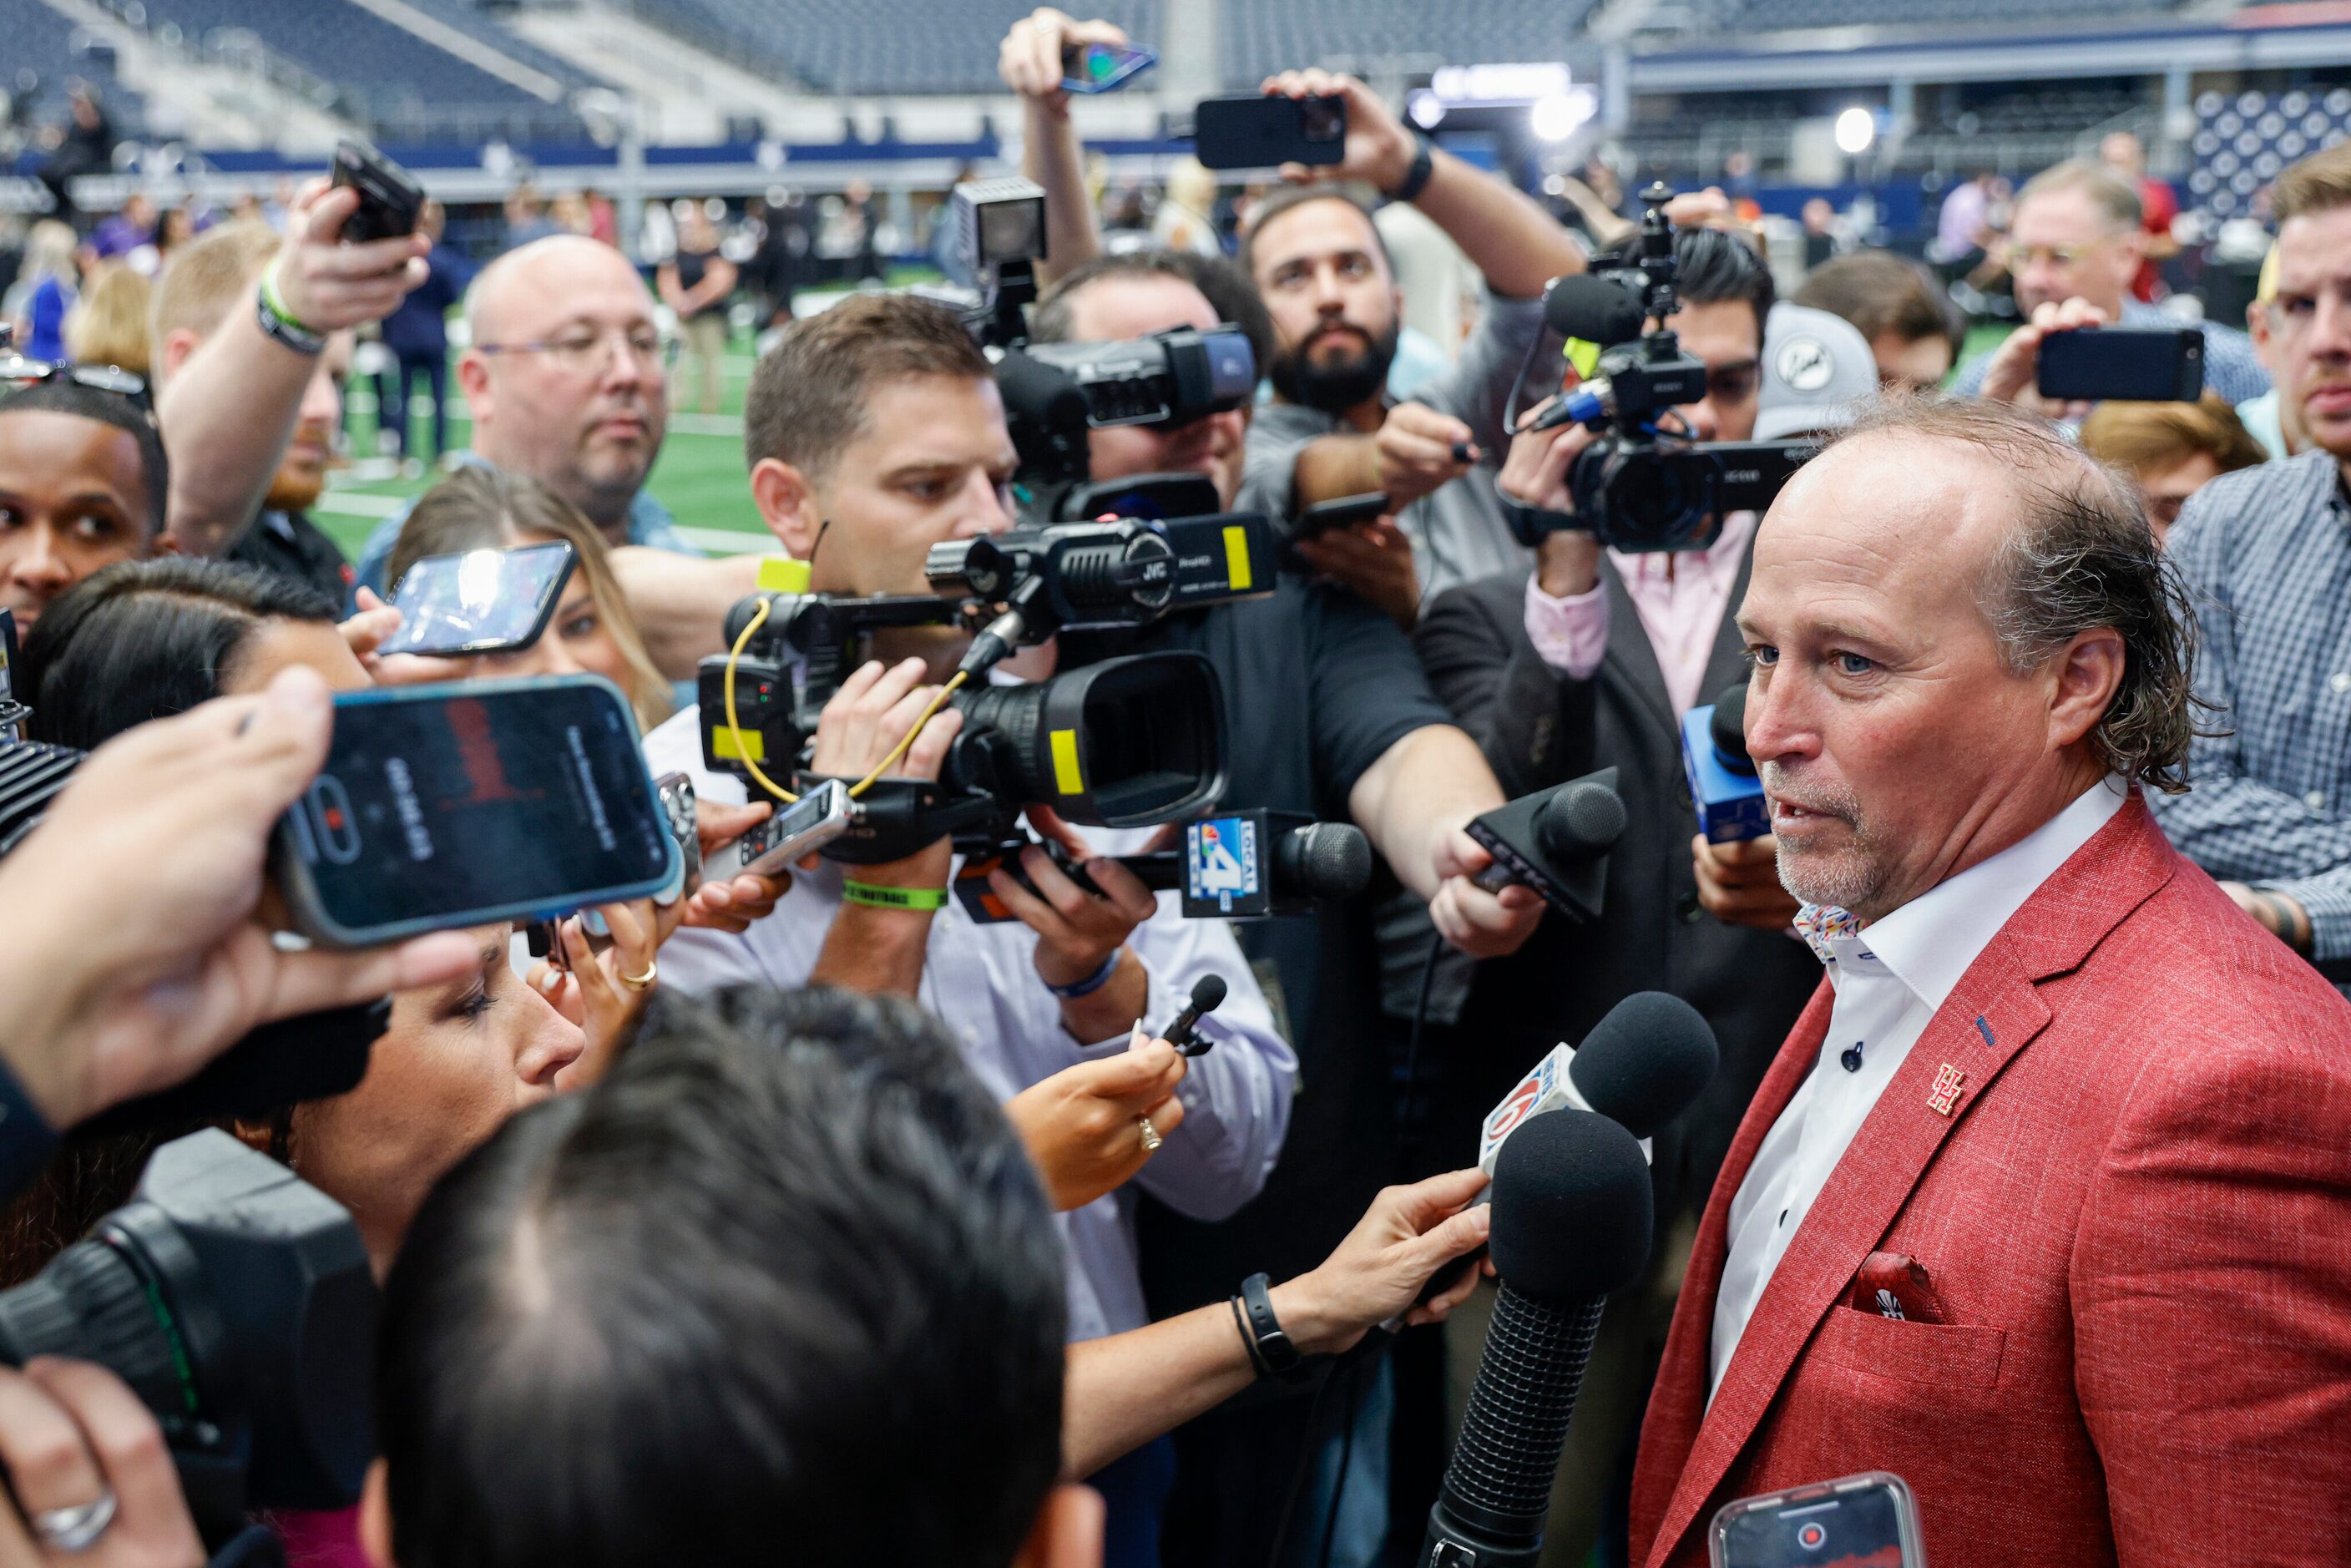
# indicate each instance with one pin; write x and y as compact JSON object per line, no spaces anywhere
{"x":699,"y":478}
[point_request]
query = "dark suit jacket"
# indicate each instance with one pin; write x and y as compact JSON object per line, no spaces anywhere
{"x":1539,"y":728}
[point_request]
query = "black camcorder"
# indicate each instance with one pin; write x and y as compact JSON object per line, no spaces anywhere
{"x":1127,"y":742}
{"x":1645,"y":486}
{"x":1055,"y":392}
{"x":237,"y":1304}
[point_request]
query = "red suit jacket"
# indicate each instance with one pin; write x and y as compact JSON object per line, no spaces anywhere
{"x":2138,"y":1216}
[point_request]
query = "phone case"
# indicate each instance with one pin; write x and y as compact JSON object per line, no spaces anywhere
{"x":1103,"y":67}
{"x":1251,"y":132}
{"x":1905,"y":1512}
{"x":300,"y":890}
{"x":391,"y":201}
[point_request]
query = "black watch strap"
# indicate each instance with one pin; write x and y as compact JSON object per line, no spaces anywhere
{"x":1275,"y":1353}
{"x":1528,"y":524}
{"x":1416,"y":177}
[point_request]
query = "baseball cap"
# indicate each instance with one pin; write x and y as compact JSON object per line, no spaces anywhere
{"x":1817,"y":370}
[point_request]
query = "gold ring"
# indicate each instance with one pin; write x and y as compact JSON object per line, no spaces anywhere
{"x":1150,"y":1138}
{"x":643,"y":982}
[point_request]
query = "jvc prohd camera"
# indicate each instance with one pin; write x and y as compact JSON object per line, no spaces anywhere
{"x":1645,"y":486}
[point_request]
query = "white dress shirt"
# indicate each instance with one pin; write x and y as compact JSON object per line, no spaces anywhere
{"x":981,"y":981}
{"x":1890,"y":979}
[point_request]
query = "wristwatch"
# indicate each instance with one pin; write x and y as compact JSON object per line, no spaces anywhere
{"x":1274,"y":1353}
{"x":1416,"y":177}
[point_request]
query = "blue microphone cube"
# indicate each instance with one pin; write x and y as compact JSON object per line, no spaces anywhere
{"x":1731,"y":804}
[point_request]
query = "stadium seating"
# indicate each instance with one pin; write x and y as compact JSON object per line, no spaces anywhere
{"x":1262,"y":36}
{"x":873,"y":45}
{"x":1774,"y":15}
{"x":41,"y":41}
{"x":402,"y":86}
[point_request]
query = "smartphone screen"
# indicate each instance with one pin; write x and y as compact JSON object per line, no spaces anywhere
{"x":479,"y":602}
{"x":457,"y":805}
{"x":1857,"y":1529}
{"x":1099,"y":68}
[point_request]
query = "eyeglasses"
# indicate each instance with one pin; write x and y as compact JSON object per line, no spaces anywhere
{"x":582,"y":351}
{"x":2053,"y":255}
{"x":23,"y":372}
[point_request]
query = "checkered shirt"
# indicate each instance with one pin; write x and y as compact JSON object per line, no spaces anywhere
{"x":2266,"y":553}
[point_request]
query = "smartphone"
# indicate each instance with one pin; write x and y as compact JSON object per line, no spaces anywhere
{"x":391,"y":201}
{"x":1347,"y":512}
{"x":1862,"y":1522}
{"x":2137,"y":364}
{"x":478,"y":601}
{"x":675,"y":793}
{"x":1101,"y":67}
{"x":469,"y":802}
{"x":1250,"y":131}
{"x":803,"y":828}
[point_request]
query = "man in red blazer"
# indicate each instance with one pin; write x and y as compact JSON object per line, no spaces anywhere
{"x":2045,"y":1206}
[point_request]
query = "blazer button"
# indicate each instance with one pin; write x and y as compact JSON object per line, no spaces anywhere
{"x":1689,"y":909}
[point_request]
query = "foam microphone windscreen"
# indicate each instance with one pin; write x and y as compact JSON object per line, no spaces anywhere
{"x":1583,"y":306}
{"x":1729,"y":727}
{"x":1580,"y":820}
{"x":1645,"y":1062}
{"x":1323,"y":860}
{"x":1571,"y":1208}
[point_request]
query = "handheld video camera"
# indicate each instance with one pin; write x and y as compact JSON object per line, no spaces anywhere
{"x":237,"y":1304}
{"x":1055,"y":392}
{"x":1128,"y":742}
{"x":1645,"y":486}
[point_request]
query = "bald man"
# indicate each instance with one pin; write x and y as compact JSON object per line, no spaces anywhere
{"x":566,"y":378}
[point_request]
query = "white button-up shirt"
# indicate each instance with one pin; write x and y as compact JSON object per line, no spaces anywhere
{"x":1890,"y":979}
{"x":981,"y":981}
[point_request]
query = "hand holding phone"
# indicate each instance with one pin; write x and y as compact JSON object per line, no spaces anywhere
{"x":1322,"y":516}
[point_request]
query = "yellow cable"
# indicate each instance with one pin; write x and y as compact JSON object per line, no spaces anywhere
{"x":907,"y":739}
{"x":734,"y":727}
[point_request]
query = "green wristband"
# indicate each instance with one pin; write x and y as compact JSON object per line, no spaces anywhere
{"x":279,"y":323}
{"x":874,"y":897}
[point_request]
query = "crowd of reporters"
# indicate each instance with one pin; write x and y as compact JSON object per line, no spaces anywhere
{"x":809,"y":1211}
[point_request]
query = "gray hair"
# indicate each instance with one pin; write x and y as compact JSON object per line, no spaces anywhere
{"x":2108,"y":191}
{"x":2082,"y":557}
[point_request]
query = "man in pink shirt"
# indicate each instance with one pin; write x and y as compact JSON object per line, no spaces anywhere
{"x":1590,"y":662}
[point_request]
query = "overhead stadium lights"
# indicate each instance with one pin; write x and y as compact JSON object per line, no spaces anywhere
{"x":1556,"y":115}
{"x":1856,"y":128}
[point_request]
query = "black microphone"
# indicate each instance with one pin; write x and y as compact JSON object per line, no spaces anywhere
{"x":1555,"y":841}
{"x":1643,"y":1064}
{"x":1207,"y":996}
{"x":1571,"y":1226}
{"x":1314,"y":862}
{"x":1591,"y":308}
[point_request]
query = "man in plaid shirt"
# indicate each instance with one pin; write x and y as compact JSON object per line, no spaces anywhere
{"x":2266,"y":553}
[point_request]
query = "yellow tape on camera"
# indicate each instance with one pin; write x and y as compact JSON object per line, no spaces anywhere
{"x":1066,"y":777}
